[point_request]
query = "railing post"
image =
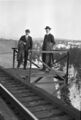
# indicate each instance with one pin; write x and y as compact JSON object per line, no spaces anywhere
{"x":67,"y":68}
{"x":13,"y":57}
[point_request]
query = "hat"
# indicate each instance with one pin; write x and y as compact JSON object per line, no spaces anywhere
{"x":47,"y":27}
{"x":27,"y":31}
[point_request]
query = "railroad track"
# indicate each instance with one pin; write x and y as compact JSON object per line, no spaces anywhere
{"x":31,"y":103}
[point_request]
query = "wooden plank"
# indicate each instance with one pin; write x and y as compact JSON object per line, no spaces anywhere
{"x":55,"y":101}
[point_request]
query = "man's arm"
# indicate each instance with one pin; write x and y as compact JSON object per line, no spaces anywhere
{"x":23,"y":40}
{"x":52,"y":39}
{"x":43,"y":45}
{"x":31,"y":43}
{"x":19,"y":42}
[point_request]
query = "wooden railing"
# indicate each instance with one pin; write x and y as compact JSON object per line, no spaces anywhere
{"x":65,"y":78}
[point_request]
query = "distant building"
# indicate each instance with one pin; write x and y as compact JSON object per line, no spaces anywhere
{"x":74,"y":44}
{"x":61,"y":46}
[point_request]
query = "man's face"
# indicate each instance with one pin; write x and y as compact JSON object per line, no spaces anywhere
{"x":26,"y":33}
{"x":47,"y":31}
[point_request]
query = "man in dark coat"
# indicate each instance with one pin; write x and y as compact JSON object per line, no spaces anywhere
{"x":48,"y":44}
{"x":27,"y":42}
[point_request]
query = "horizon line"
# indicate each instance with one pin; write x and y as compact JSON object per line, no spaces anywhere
{"x":41,"y":38}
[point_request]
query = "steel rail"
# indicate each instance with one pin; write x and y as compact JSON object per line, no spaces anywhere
{"x":24,"y":109}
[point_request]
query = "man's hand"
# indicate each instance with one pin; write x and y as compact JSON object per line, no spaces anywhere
{"x":24,"y":43}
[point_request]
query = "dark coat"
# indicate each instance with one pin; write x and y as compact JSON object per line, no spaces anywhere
{"x":27,"y":43}
{"x":48,"y":42}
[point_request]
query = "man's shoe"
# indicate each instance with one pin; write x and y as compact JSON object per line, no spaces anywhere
{"x":24,"y":68}
{"x":47,"y":70}
{"x":43,"y":69}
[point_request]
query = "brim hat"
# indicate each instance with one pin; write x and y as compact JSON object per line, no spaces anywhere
{"x":47,"y":27}
{"x":27,"y":31}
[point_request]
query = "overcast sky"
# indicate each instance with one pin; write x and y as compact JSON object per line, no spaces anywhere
{"x":63,"y":16}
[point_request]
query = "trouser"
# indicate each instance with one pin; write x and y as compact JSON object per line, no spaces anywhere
{"x":25,"y":58}
{"x":44,"y":59}
{"x":48,"y":59}
{"x":19,"y":63}
{"x":20,"y":57}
